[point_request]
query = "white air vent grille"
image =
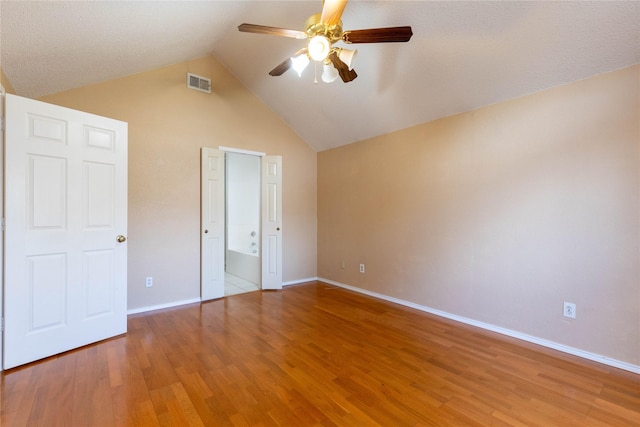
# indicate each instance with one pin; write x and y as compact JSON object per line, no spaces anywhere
{"x":198,"y":83}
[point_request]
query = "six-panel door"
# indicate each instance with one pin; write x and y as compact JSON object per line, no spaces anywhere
{"x":66,"y":206}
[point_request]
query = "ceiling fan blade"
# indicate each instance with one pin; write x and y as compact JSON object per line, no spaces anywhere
{"x":378,"y":35}
{"x":284,"y":66}
{"x":281,"y":68}
{"x":345,"y":73}
{"x":332,"y":12}
{"x":272,"y":31}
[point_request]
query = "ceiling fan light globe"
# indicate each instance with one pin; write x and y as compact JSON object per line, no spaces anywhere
{"x":319,"y":47}
{"x":348,"y":57}
{"x":299,"y":63}
{"x":329,"y":73}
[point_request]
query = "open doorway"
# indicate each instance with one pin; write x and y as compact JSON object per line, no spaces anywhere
{"x":213,"y":214}
{"x":242,"y":225}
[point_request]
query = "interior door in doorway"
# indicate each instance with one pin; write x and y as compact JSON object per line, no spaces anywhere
{"x":272,"y":222}
{"x":212,"y":227}
{"x":65,"y":253}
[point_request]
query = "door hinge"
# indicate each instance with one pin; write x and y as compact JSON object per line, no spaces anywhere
{"x":2,"y":325}
{"x":3,"y":224}
{"x":1,"y":124}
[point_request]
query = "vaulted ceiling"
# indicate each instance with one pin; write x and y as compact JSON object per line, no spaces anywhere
{"x":463,"y":55}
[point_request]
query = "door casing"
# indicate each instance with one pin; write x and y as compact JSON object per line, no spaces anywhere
{"x":2,"y":121}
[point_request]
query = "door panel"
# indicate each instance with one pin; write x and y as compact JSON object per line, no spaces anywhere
{"x":47,"y":192}
{"x":98,"y":282}
{"x":65,"y":273}
{"x":212,"y":230}
{"x":46,"y":291}
{"x":99,"y":195}
{"x":272,"y":222}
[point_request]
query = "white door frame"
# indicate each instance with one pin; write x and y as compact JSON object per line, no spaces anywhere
{"x":2,"y":120}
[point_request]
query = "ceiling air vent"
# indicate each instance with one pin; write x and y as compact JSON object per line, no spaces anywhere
{"x":198,"y":83}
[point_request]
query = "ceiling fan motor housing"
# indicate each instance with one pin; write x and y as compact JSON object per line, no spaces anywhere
{"x":314,"y":27}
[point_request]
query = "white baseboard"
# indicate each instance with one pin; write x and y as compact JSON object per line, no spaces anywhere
{"x":194,"y":300}
{"x":529,"y":338}
{"x":161,"y":306}
{"x":297,"y":282}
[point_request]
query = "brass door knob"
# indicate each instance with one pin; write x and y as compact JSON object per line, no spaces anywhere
{"x":120,"y":238}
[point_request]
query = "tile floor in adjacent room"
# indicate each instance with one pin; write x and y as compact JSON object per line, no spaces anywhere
{"x":234,"y":285}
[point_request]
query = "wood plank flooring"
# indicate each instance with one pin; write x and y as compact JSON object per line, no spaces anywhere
{"x":314,"y":355}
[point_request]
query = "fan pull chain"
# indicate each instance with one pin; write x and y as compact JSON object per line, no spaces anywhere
{"x":315,"y":72}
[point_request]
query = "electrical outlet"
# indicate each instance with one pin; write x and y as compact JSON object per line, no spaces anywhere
{"x":361,"y":268}
{"x":569,"y":310}
{"x":148,"y":282}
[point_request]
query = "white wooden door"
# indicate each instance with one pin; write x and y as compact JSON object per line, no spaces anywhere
{"x":66,"y":206}
{"x":212,"y":229}
{"x":272,"y":222}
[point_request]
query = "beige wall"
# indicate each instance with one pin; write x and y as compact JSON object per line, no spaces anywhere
{"x":501,"y":214}
{"x":168,"y":124}
{"x":5,"y":83}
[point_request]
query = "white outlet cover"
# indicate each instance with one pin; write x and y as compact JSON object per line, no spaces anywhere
{"x":569,"y":310}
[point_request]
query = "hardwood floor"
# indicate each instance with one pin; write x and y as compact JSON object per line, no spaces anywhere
{"x":313,"y":354}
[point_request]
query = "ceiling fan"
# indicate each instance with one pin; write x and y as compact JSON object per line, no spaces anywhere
{"x":322,"y":30}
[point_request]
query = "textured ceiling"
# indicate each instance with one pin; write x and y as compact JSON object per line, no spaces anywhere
{"x":463,"y":55}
